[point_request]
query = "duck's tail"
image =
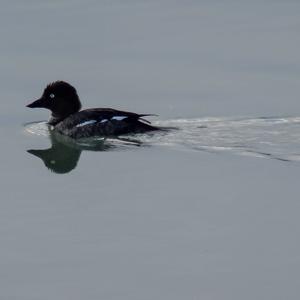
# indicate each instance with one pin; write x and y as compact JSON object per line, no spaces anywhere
{"x":147,"y":127}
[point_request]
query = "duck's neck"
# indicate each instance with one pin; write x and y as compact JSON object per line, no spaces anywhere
{"x":54,"y":119}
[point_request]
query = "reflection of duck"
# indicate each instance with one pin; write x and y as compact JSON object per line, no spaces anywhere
{"x":64,"y":153}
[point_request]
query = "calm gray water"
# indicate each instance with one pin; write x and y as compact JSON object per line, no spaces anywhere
{"x":207,"y":211}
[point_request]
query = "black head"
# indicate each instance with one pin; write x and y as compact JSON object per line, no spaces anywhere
{"x":60,"y":97}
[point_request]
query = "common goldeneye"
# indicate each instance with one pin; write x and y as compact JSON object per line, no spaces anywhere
{"x":62,"y":100}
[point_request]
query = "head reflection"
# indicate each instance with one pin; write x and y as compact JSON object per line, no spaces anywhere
{"x":64,"y":153}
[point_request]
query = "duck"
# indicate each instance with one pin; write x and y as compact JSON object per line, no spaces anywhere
{"x":67,"y":118}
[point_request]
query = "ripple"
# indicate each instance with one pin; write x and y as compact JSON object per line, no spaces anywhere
{"x":37,"y":128}
{"x":268,"y":137}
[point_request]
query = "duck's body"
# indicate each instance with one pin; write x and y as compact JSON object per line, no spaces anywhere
{"x":67,"y":118}
{"x":101,"y":122}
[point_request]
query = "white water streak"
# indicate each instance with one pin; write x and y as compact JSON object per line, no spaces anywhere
{"x":277,"y":137}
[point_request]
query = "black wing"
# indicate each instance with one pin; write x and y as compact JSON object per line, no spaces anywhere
{"x":102,"y":114}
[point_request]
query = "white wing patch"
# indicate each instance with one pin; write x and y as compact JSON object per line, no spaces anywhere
{"x":86,"y":123}
{"x":119,"y":118}
{"x":89,"y":122}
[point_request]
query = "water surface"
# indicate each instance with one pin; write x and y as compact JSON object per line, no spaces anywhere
{"x":207,"y":211}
